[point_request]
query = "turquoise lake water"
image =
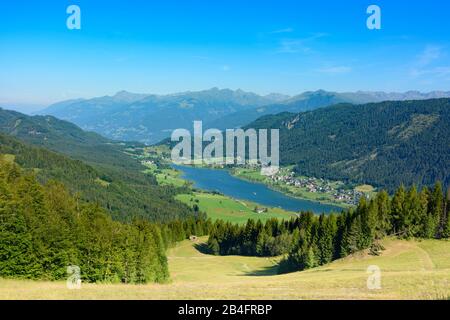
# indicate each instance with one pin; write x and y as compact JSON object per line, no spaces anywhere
{"x":222,"y":181}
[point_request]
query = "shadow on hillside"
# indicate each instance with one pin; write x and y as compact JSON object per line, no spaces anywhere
{"x":264,"y":272}
{"x":202,"y":248}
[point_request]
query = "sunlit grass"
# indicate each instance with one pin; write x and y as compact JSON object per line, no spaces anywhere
{"x":232,"y":210}
{"x":409,"y":270}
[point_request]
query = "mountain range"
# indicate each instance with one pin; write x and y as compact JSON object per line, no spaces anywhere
{"x":150,"y":118}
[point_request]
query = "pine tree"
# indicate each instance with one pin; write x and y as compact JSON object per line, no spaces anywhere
{"x":213,"y":246}
{"x":384,"y":213}
{"x":436,"y":207}
{"x":16,"y":249}
{"x":326,"y":234}
{"x":427,"y":223}
{"x":397,"y":210}
{"x":446,"y":224}
{"x":370,"y":223}
{"x":412,"y":214}
{"x":352,"y":240}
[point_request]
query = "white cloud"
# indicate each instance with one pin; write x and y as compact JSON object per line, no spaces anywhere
{"x":437,"y":71}
{"x":426,"y":64}
{"x":293,"y":46}
{"x":336,"y":70}
{"x":286,"y":30}
{"x":429,"y":55}
{"x":298,"y":45}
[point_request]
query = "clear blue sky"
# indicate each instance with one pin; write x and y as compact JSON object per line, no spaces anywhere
{"x":261,"y":46}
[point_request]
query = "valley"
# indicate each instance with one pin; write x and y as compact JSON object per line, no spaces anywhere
{"x":225,"y":150}
{"x":255,"y":231}
{"x":215,"y":185}
{"x":331,"y":193}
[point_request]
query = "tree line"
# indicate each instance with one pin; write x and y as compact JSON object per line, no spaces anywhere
{"x":44,"y":229}
{"x":309,"y":240}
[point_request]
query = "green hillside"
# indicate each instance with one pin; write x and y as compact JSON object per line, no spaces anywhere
{"x":97,"y":168}
{"x":43,"y":230}
{"x":409,"y":270}
{"x":65,"y":137}
{"x":382,"y":144}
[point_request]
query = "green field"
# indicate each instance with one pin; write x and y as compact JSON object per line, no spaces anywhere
{"x":166,"y":177}
{"x":232,"y":210}
{"x":170,"y":177}
{"x":409,"y":270}
{"x":8,"y":157}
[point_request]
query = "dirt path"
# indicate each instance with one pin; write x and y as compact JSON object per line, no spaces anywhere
{"x":422,"y":254}
{"x":425,"y":257}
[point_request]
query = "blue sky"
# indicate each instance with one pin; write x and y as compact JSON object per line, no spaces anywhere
{"x":261,"y":46}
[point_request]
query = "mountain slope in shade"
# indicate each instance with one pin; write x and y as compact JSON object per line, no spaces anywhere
{"x":150,"y":118}
{"x":383,"y":144}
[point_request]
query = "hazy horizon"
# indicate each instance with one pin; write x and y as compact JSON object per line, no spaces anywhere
{"x":284,"y":47}
{"x":34,"y":108}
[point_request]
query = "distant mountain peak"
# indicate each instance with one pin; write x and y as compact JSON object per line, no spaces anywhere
{"x":127,"y":96}
{"x":123,"y":93}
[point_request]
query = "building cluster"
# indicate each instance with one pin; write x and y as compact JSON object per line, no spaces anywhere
{"x":315,"y":185}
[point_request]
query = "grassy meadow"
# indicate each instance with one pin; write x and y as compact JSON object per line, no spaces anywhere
{"x":8,"y":157}
{"x":166,"y":177}
{"x":409,"y":270}
{"x":231,"y":210}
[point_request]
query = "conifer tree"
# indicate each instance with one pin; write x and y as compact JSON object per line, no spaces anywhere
{"x":326,"y":235}
{"x":427,"y":223}
{"x":397,"y":210}
{"x":436,"y":209}
{"x":446,"y":223}
{"x":384,"y":213}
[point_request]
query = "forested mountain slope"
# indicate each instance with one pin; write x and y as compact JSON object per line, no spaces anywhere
{"x":106,"y":175}
{"x":43,"y":230}
{"x":65,"y":137}
{"x":384,"y":144}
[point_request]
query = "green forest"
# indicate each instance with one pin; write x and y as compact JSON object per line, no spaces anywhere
{"x":43,"y":230}
{"x":381,"y":144}
{"x":310,"y":241}
{"x":96,"y":168}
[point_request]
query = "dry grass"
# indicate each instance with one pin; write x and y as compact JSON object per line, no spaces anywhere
{"x":409,"y":270}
